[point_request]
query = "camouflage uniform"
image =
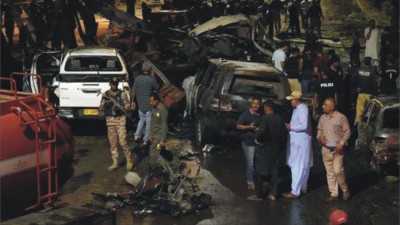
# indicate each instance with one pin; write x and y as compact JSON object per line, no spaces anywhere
{"x":116,"y":122}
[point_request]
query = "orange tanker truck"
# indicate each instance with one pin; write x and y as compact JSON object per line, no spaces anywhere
{"x":36,"y":150}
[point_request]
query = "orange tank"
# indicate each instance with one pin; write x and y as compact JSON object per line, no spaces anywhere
{"x":36,"y":151}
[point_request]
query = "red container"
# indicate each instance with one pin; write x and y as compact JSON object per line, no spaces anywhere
{"x":36,"y":151}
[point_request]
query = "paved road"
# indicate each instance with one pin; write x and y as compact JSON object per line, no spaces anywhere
{"x":373,"y":202}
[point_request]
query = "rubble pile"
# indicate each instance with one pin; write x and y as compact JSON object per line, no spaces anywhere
{"x":165,"y":188}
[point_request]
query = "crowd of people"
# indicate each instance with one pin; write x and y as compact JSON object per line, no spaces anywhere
{"x":320,"y":74}
{"x":337,"y":95}
{"x":50,"y":24}
{"x":271,"y":135}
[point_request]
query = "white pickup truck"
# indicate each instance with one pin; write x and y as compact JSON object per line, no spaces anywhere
{"x":76,"y":77}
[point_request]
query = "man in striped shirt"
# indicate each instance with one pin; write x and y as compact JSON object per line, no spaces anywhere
{"x":333,"y":133}
{"x":143,"y":86}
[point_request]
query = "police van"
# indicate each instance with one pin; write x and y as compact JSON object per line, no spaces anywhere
{"x":77,"y":77}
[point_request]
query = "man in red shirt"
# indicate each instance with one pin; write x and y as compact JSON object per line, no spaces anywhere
{"x":320,"y":62}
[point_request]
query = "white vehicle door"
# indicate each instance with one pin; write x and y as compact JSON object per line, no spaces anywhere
{"x":46,"y":64}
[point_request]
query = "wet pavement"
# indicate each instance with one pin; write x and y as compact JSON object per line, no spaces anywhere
{"x":374,"y":200}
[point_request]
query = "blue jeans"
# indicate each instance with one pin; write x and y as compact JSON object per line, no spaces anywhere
{"x":307,"y":86}
{"x":249,"y":155}
{"x":144,"y":119}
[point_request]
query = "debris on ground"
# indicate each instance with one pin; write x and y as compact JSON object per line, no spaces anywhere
{"x":164,"y":188}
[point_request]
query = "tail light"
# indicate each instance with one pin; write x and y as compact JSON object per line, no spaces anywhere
{"x":383,"y":148}
{"x":220,"y":105}
{"x":392,"y":142}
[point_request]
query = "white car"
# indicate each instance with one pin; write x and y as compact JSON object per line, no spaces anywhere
{"x":77,"y":76}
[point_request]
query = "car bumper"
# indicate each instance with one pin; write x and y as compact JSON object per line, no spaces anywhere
{"x":81,"y":113}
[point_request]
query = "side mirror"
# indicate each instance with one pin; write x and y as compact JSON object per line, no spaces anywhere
{"x":56,"y":82}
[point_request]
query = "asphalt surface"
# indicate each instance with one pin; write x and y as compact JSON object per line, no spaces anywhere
{"x":374,"y":200}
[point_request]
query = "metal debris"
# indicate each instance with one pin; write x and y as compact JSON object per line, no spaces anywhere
{"x":161,"y":191}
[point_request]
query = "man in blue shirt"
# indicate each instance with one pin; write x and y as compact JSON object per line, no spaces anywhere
{"x":248,"y":122}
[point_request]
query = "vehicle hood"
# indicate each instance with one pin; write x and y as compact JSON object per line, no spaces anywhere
{"x":217,"y":22}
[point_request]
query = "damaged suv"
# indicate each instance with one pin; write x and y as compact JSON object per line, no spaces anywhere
{"x":378,"y":132}
{"x":223,"y":89}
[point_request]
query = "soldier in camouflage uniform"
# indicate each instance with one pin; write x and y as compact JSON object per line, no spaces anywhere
{"x":115,"y":103}
{"x":159,"y":126}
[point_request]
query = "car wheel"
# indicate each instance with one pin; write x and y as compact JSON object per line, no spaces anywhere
{"x":202,"y":135}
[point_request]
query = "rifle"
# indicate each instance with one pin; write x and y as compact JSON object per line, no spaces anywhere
{"x":117,"y":104}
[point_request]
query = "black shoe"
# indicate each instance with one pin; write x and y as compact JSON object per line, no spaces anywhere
{"x":146,"y":143}
{"x":139,"y":140}
{"x":331,"y":199}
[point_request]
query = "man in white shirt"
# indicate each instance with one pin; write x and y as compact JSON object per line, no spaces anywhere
{"x":186,"y":85}
{"x":372,"y":34}
{"x":279,"y":56}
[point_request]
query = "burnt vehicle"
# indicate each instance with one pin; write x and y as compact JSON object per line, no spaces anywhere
{"x":172,"y":19}
{"x":232,"y":37}
{"x":222,"y":90}
{"x":378,"y":133}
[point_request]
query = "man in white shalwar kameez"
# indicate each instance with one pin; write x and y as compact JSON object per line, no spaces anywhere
{"x":299,"y":152}
{"x":372,"y":36}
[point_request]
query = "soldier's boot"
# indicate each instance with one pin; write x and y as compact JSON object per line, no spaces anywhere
{"x":129,"y":163}
{"x":114,"y":165}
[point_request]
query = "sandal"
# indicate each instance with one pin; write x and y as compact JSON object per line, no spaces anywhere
{"x":253,"y":198}
{"x":271,"y":197}
{"x":250,"y":187}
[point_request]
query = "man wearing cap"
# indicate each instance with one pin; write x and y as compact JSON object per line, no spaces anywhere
{"x":144,"y":85}
{"x":338,"y":217}
{"x":116,"y":122}
{"x":333,"y":133}
{"x":299,"y":154}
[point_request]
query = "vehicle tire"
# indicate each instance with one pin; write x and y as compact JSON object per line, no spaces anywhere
{"x":202,"y":134}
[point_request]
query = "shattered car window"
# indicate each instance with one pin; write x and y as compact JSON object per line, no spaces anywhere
{"x":89,"y":77}
{"x":391,"y":118}
{"x":255,"y":86}
{"x":91,"y":63}
{"x":48,"y":65}
{"x":168,"y":20}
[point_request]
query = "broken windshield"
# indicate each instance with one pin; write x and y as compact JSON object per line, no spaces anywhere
{"x":256,"y":86}
{"x":89,"y":77}
{"x":93,"y":63}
